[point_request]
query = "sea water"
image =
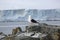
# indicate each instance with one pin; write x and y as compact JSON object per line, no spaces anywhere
{"x":6,"y":27}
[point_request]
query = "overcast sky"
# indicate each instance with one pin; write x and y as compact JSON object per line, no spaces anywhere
{"x":27,"y":4}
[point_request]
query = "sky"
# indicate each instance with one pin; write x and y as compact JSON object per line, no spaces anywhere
{"x":29,"y":4}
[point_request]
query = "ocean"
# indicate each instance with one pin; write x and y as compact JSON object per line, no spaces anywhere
{"x":6,"y":27}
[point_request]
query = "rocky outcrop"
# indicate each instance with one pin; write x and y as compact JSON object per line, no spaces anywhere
{"x":16,"y":30}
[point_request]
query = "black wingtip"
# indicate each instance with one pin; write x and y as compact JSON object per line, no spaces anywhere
{"x":34,"y":21}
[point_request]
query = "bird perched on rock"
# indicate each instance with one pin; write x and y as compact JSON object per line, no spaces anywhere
{"x":31,"y":20}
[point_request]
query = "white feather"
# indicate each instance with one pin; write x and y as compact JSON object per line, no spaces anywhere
{"x":29,"y":18}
